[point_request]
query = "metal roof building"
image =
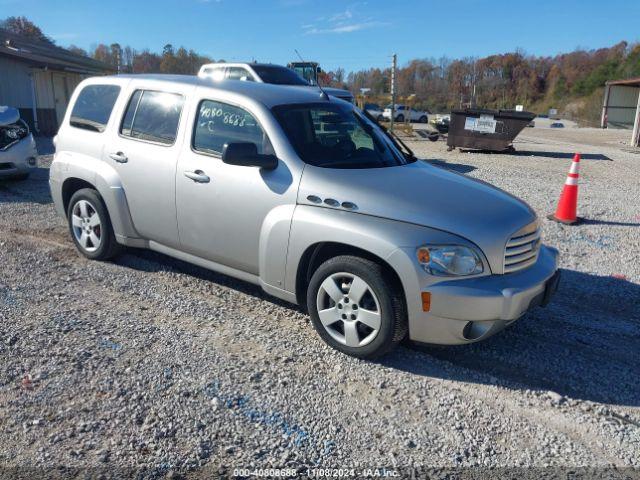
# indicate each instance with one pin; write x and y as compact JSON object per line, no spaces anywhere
{"x":38,"y":79}
{"x":621,"y":106}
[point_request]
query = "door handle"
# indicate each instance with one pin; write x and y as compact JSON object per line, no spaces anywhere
{"x":198,"y":176}
{"x":119,"y":157}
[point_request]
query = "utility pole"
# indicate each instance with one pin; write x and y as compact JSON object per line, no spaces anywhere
{"x":473,"y":91}
{"x":394,"y":64}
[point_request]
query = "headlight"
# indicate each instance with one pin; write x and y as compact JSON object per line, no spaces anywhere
{"x":449,"y":260}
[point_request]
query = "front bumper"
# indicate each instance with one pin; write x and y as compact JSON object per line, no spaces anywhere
{"x":19,"y":158}
{"x":469,"y":310}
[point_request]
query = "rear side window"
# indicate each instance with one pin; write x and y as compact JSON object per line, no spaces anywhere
{"x":219,"y":123}
{"x":216,"y":73}
{"x":93,"y":107}
{"x":152,"y":116}
{"x":238,"y":73}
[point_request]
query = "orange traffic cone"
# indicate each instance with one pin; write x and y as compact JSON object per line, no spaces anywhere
{"x":568,"y":204}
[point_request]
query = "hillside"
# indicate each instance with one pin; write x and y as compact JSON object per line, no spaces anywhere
{"x":571,"y":82}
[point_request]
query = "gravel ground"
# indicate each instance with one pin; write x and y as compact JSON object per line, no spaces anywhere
{"x":152,"y":367}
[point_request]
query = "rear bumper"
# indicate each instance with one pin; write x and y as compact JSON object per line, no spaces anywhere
{"x":19,"y":158}
{"x":469,"y":310}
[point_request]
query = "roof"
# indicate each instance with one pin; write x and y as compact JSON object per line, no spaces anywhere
{"x":236,"y":64}
{"x":631,"y":82}
{"x":268,"y":94}
{"x":41,"y":54}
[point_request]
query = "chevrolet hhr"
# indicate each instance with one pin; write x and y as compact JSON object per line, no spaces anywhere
{"x":302,"y":194}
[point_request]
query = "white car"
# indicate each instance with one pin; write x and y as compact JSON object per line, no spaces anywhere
{"x":374,"y":110}
{"x":403,"y":111}
{"x":17,"y":147}
{"x":264,"y":73}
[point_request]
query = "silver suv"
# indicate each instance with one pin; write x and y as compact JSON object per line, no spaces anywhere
{"x":304,"y":196}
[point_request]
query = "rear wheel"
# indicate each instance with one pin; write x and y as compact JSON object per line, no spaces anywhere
{"x":90,"y":226}
{"x":356,"y":307}
{"x":423,"y":119}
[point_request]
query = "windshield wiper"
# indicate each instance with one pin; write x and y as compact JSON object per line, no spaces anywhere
{"x":399,"y":144}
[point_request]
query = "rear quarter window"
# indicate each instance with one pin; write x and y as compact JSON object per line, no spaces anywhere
{"x":93,"y":107}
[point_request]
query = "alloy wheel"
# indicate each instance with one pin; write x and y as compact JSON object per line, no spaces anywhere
{"x":87,"y":227}
{"x":349,"y":309}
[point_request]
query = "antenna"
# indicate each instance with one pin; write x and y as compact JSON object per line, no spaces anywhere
{"x":323,"y":94}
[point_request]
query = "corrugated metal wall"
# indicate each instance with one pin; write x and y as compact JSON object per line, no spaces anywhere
{"x":15,"y":84}
{"x":44,"y":86}
{"x":15,"y":91}
{"x":621,"y":111}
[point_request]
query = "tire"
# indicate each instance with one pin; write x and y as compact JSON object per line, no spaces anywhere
{"x":380,"y":118}
{"x":376,"y":294}
{"x":400,"y":118}
{"x":90,"y":226}
{"x":424,"y":119}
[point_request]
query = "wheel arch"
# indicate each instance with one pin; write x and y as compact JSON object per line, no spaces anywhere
{"x":70,"y":186}
{"x":318,"y":253}
{"x":89,"y":172}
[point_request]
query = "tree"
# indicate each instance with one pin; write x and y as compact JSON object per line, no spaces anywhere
{"x":115,"y":56}
{"x":102,"y":53}
{"x":25,"y":27}
{"x":128,"y":55}
{"x":146,"y":62}
{"x":77,"y":50}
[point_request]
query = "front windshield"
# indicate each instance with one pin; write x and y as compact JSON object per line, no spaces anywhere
{"x":278,"y":75}
{"x":333,"y":135}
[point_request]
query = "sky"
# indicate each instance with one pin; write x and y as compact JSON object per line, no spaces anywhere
{"x":349,"y":34}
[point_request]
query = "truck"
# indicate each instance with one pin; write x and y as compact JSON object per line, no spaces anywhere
{"x":310,"y":70}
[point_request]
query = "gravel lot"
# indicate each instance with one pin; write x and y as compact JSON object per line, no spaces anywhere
{"x":150,"y":366}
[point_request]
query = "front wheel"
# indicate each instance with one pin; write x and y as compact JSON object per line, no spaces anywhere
{"x":400,"y":118}
{"x":90,"y":226}
{"x":356,"y":307}
{"x":423,"y":119}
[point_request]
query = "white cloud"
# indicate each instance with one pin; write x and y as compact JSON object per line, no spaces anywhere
{"x":345,"y":28}
{"x":338,"y":17}
{"x":346,"y":21}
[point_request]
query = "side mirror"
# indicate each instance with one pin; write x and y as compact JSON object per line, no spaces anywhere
{"x":245,"y":154}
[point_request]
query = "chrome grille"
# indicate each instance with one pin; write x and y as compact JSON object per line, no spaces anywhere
{"x":522,"y":249}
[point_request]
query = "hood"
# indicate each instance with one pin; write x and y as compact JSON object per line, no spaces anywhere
{"x":338,"y":92}
{"x":334,"y":92}
{"x":425,"y":195}
{"x":8,"y":115}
